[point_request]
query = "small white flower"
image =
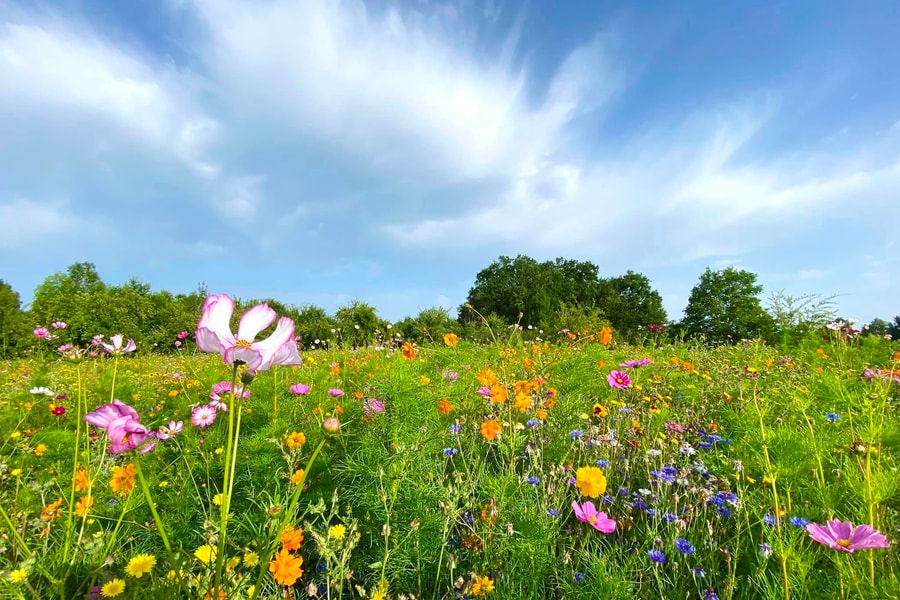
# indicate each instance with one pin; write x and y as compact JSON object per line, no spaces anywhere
{"x":38,"y":391}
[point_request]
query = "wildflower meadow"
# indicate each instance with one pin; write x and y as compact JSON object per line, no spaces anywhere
{"x":568,"y":465}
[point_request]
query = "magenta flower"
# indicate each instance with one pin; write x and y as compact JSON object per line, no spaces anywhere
{"x":618,"y":379}
{"x":587,"y":512}
{"x":58,"y":325}
{"x":203,"y":416}
{"x":214,"y":335}
{"x":300,"y":389}
{"x":42,"y":333}
{"x":843,"y":536}
{"x":373,"y":407}
{"x":116,"y":346}
{"x":123,"y":427}
{"x":335,"y":393}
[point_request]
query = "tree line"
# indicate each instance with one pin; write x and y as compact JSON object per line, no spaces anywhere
{"x":539,"y":298}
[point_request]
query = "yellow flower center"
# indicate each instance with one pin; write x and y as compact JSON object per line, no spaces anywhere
{"x":243,"y":344}
{"x":593,"y":519}
{"x":843,"y":543}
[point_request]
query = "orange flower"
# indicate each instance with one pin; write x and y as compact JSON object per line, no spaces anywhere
{"x":688,"y":366}
{"x":358,"y":394}
{"x":487,"y":377}
{"x":82,"y":482}
{"x":606,"y":335}
{"x":408,"y":350}
{"x":291,"y":538}
{"x":490,"y":429}
{"x":541,"y":414}
{"x":83,"y":506}
{"x":600,"y":410}
{"x":122,"y":481}
{"x":601,"y":364}
{"x":451,"y":340}
{"x":498,"y":394}
{"x":895,"y":356}
{"x":482,"y":586}
{"x":444,"y":407}
{"x":523,"y":402}
{"x":317,"y":410}
{"x":297,"y":476}
{"x":286,"y":567}
{"x":51,"y":511}
{"x":295,"y":440}
{"x":334,"y":368}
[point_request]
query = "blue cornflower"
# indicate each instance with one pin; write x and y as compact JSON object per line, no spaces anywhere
{"x":575,"y":434}
{"x":669,"y":518}
{"x":699,"y":572}
{"x":717,"y":500}
{"x":579,"y":577}
{"x":832,"y":417}
{"x":769,"y":519}
{"x":724,"y":511}
{"x":684,"y":546}
{"x":450,"y":451}
{"x":552,"y":512}
{"x":705,"y":445}
{"x":602,"y":463}
{"x":710,"y":595}
{"x":532,"y":422}
{"x":715,"y":438}
{"x":765,"y":549}
{"x":570,"y":481}
{"x":321,"y":567}
{"x":657,"y":556}
{"x":533,"y":480}
{"x":454,"y":429}
{"x":799,"y":521}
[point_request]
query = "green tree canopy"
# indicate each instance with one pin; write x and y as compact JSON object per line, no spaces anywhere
{"x":12,"y":319}
{"x":726,"y":303}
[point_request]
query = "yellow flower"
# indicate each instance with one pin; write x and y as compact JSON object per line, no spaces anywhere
{"x":112,"y":588}
{"x":251,"y":559}
{"x":219,"y":450}
{"x":83,"y":505}
{"x":591,"y":481}
{"x":295,"y":440}
{"x":232,"y":563}
{"x":122,"y":481}
{"x":18,"y":576}
{"x":206,"y":554}
{"x":218,"y":499}
{"x":14,"y":435}
{"x":140,"y":565}
{"x":337,"y":532}
{"x":173,"y":393}
{"x":297,"y":477}
{"x":15,"y":472}
{"x":163,"y":484}
{"x":424,"y":380}
{"x":482,"y":586}
{"x":450,"y":340}
{"x":40,"y":449}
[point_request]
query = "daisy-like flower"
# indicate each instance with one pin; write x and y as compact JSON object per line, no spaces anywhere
{"x":42,"y":332}
{"x":203,"y":416}
{"x":171,"y":430}
{"x":286,"y":567}
{"x":588,"y":513}
{"x":58,"y":325}
{"x":335,"y":393}
{"x":112,"y":588}
{"x":618,"y":379}
{"x":300,"y":389}
{"x":590,"y":481}
{"x":116,"y":346}
{"x":140,"y":565}
{"x":844,"y":537}
{"x":41,"y":391}
{"x":214,"y":335}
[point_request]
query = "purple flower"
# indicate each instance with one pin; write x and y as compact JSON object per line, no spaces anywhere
{"x":657,"y":556}
{"x":684,"y":546}
{"x":373,"y":407}
{"x":450,"y":451}
{"x":533,"y":480}
{"x":618,"y":379}
{"x":42,"y":333}
{"x":335,"y":393}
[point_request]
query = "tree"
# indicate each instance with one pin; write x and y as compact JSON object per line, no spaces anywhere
{"x":630,"y":302}
{"x":726,"y":303}
{"x":796,"y":317}
{"x":894,"y":328}
{"x":358,"y":323}
{"x":11,"y":319}
{"x":313,"y":323}
{"x":72,"y":297}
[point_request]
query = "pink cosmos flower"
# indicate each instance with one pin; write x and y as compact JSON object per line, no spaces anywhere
{"x":587,"y":512}
{"x":373,"y":407}
{"x":58,"y":410}
{"x":58,"y":325}
{"x":335,"y":393}
{"x":170,"y":431}
{"x":300,"y":389}
{"x":214,"y":335}
{"x":843,"y":536}
{"x":203,"y":416}
{"x":123,"y":427}
{"x":618,"y":379}
{"x":42,"y":333}
{"x":116,"y":346}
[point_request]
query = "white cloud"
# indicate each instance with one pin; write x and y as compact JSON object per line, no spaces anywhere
{"x":23,"y":221}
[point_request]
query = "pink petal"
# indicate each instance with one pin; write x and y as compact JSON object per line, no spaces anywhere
{"x":604,"y":524}
{"x":270,"y":346}
{"x":248,"y":356}
{"x":208,"y":341}
{"x":840,"y":530}
{"x":255,"y":320}
{"x":117,"y":340}
{"x":216,"y":317}
{"x":579,"y":513}
{"x":820,"y":534}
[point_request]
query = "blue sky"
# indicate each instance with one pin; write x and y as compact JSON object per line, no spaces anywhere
{"x":319,"y":151}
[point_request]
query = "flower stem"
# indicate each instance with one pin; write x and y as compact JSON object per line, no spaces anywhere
{"x":149,"y":498}
{"x":226,"y":483}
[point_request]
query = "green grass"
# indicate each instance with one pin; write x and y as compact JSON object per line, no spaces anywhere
{"x":427,"y":512}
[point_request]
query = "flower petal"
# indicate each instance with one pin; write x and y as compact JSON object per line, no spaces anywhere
{"x":250,"y":357}
{"x":255,"y":320}
{"x":216,"y":317}
{"x":268,"y":347}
